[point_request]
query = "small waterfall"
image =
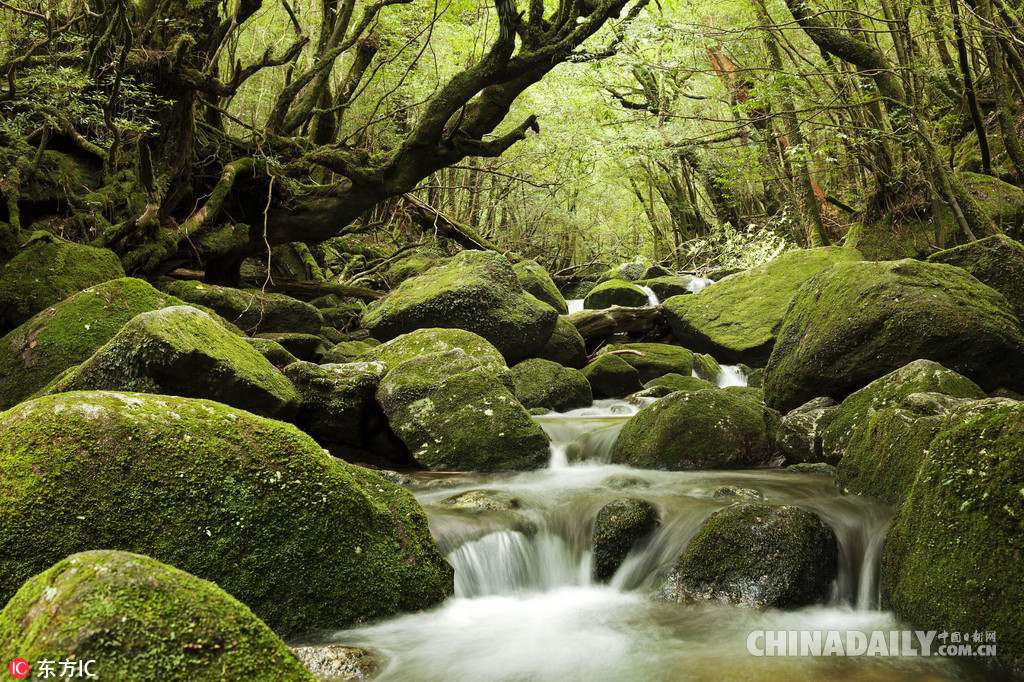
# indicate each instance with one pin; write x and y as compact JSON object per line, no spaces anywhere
{"x":731,"y":376}
{"x":586,"y":434}
{"x":509,"y":562}
{"x":698,"y":283}
{"x":652,"y":298}
{"x":574,"y":304}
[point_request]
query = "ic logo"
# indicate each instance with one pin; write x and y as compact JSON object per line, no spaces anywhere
{"x":19,"y":668}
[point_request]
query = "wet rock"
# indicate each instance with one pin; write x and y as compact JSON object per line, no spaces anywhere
{"x":615,"y":292}
{"x":138,"y":619}
{"x":547,"y":384}
{"x":817,"y":468}
{"x":856,"y":322}
{"x":759,"y":556}
{"x":484,"y":500}
{"x":425,"y":341}
{"x":183,"y":351}
{"x":339,"y":663}
{"x":710,"y":429}
{"x":272,"y":351}
{"x":737,"y":319}
{"x":997,"y":261}
{"x":413,"y":264}
{"x":668,"y":286}
{"x":679,"y":382}
{"x":619,"y":526}
{"x":612,"y":377}
{"x":800,"y":431}
{"x":477,"y":291}
{"x":624,"y":481}
{"x":565,"y":346}
{"x":733,"y":492}
{"x":536,"y":280}
{"x":306,"y":347}
{"x":251,"y":309}
{"x":706,"y":368}
{"x":577,"y":290}
{"x":345,"y":351}
{"x":652,"y":360}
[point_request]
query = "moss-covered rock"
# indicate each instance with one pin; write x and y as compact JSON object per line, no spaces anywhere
{"x":679,"y":382}
{"x":536,"y":280}
{"x":484,"y":500}
{"x":251,"y":309}
{"x":710,"y":429}
{"x":183,"y":351}
{"x":997,"y":261}
{"x":655,"y":271}
{"x":626,"y":272}
{"x":345,"y":351}
{"x":338,"y":405}
{"x":424,"y":342}
{"x":951,"y":560}
{"x":565,"y":345}
{"x":253,"y":504}
{"x":615,"y":292}
{"x":477,"y":291}
{"x":273,"y":351}
{"x":577,"y":290}
{"x":415,"y":263}
{"x":66,"y":334}
{"x":856,"y":322}
{"x":455,"y":414}
{"x":760,"y":556}
{"x":305,"y":347}
{"x":334,"y":663}
{"x":140,"y":620}
{"x":543,"y":383}
{"x":612,"y":377}
{"x":706,"y":368}
{"x":652,"y":360}
{"x":47,"y":271}
{"x":739,"y":494}
{"x":800,"y":431}
{"x":619,"y":526}
{"x":816,"y":468}
{"x":738,"y":319}
{"x":667,"y":287}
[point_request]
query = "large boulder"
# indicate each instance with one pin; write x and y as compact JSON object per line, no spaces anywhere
{"x":952,"y":557}
{"x":423,"y":342}
{"x":565,"y":345}
{"x":66,"y":334}
{"x":759,"y":556}
{"x":184,"y":351}
{"x":612,"y":377}
{"x":738,"y":319}
{"x":669,"y":286}
{"x":454,"y":413}
{"x":615,"y":292}
{"x":543,"y":383}
{"x":253,"y":310}
{"x":652,"y":360}
{"x":620,"y":525}
{"x":477,"y":291}
{"x":48,"y":271}
{"x":856,"y":322}
{"x":133,"y":618}
{"x":709,"y":429}
{"x":252,"y":504}
{"x":536,"y":280}
{"x":626,"y":272}
{"x":800,"y":431}
{"x":997,"y":261}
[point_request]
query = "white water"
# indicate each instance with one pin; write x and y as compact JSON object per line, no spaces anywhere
{"x":698,"y":283}
{"x":525,"y":607}
{"x":574,"y":304}
{"x":652,"y":298}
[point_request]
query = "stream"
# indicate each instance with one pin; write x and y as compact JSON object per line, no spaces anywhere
{"x":525,"y":607}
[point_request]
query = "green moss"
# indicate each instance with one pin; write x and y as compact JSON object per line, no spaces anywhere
{"x":615,"y":292}
{"x":667,"y":286}
{"x":543,"y":383}
{"x":48,"y":271}
{"x":952,"y":557}
{"x":577,"y":290}
{"x":272,"y":351}
{"x":346,"y":351}
{"x":738,"y":319}
{"x":416,"y":263}
{"x":251,"y":309}
{"x":856,"y":322}
{"x":337,"y":400}
{"x":706,"y":429}
{"x":626,"y":272}
{"x":140,"y":621}
{"x":997,"y":261}
{"x":183,"y":351}
{"x":679,"y":382}
{"x":652,"y":360}
{"x":619,"y":526}
{"x":536,"y":280}
{"x":308,"y":347}
{"x":422,"y":342}
{"x":68,"y":333}
{"x":252,"y":504}
{"x":476,"y":291}
{"x":612,"y":377}
{"x":565,"y":345}
{"x":706,"y":367}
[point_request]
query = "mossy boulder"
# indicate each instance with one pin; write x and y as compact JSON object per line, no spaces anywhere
{"x":536,"y":280}
{"x":759,"y":556}
{"x":678,"y":382}
{"x":732,"y":492}
{"x":951,"y":560}
{"x":706,"y":367}
{"x":654,"y":271}
{"x":423,"y":342}
{"x":738,"y":319}
{"x":577,"y":290}
{"x":305,"y":347}
{"x":47,"y":271}
{"x":612,"y":377}
{"x":543,"y":383}
{"x":652,"y":360}
{"x":484,"y":500}
{"x":251,"y":309}
{"x":615,"y":292}
{"x":415,"y":263}
{"x":856,"y":322}
{"x":66,"y":334}
{"x":334,"y":663}
{"x":345,"y":351}
{"x":667,"y":287}
{"x":140,"y":620}
{"x":565,"y":345}
{"x":709,"y":429}
{"x":997,"y":261}
{"x":800,"y":431}
{"x":626,"y":272}
{"x":277,"y":354}
{"x":620,"y":525}
{"x":477,"y":291}
{"x":183,"y":351}
{"x":455,"y":414}
{"x":252,"y":504}
{"x":338,"y":404}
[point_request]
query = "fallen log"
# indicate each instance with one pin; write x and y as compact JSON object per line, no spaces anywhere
{"x":596,"y":324}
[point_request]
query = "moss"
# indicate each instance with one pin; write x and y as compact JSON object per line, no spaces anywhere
{"x":760,"y":556}
{"x":346,"y":351}
{"x":738,"y":319}
{"x":416,"y":263}
{"x":615,"y":292}
{"x":565,"y":345}
{"x":536,"y":280}
{"x":626,"y":272}
{"x":577,"y":290}
{"x":706,"y":367}
{"x":337,"y":400}
{"x":856,"y":322}
{"x":655,"y":271}
{"x":140,"y":620}
{"x":183,"y":351}
{"x":997,"y":261}
{"x":252,"y":504}
{"x":612,"y":377}
{"x":272,"y":351}
{"x":251,"y":309}
{"x":308,"y":347}
{"x":422,"y":342}
{"x":543,"y":383}
{"x":652,"y":360}
{"x":476,"y":291}
{"x":952,"y":557}
{"x":483,"y":500}
{"x":618,"y":528}
{"x":703,"y":430}
{"x":68,"y":333}
{"x":48,"y":271}
{"x":679,"y":382}
{"x":667,"y":287}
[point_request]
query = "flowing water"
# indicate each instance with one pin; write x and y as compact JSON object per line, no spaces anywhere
{"x":525,"y":607}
